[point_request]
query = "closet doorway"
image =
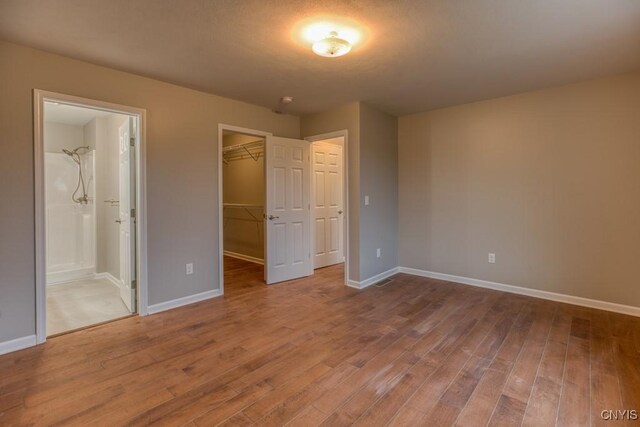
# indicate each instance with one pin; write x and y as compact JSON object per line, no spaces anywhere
{"x":277,"y":221}
{"x":243,"y":201}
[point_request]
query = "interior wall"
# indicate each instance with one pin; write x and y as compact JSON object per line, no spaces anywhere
{"x":373,"y":171}
{"x":59,"y":136}
{"x":340,"y":118}
{"x":379,"y":181}
{"x":95,"y":130}
{"x":182,"y":126}
{"x":549,"y":181}
{"x":107,"y":188}
{"x":243,"y":183}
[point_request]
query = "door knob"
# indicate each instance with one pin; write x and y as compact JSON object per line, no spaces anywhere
{"x":339,"y":212}
{"x":119,"y":221}
{"x":272,"y":217}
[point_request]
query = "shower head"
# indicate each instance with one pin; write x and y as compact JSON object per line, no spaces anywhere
{"x":75,"y":150}
{"x":73,"y":154}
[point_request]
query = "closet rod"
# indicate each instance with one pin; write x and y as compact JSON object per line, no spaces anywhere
{"x":247,"y":208}
{"x":253,"y":150}
{"x":258,"y":144}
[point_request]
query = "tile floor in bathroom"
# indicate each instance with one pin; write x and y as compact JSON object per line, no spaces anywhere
{"x":82,"y":303}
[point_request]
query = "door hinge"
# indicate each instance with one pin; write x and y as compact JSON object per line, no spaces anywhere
{"x":134,"y":284}
{"x":132,"y":141}
{"x":133,"y":213}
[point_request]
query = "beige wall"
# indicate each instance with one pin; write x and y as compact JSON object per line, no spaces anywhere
{"x":373,"y":170}
{"x":547,"y":180}
{"x":378,"y":180}
{"x":243,"y":183}
{"x":181,"y":176}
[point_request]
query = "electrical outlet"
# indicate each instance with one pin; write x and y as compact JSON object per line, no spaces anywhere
{"x":366,"y":200}
{"x":378,"y":252}
{"x":189,"y":269}
{"x":492,"y":258}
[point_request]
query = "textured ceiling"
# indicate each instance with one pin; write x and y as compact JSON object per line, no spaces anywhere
{"x":414,"y":56}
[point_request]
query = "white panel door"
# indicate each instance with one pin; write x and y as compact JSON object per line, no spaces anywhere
{"x":125,"y":220}
{"x":287,"y":212}
{"x":328,"y":206}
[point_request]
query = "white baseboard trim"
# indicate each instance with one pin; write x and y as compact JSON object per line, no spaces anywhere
{"x":66,"y":276}
{"x":110,"y":277}
{"x":179,"y":302}
{"x":17,"y":344}
{"x":244,"y":257}
{"x":371,"y":280}
{"x":536,"y":293}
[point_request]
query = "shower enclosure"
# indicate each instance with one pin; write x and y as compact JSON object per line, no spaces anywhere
{"x":71,"y":217}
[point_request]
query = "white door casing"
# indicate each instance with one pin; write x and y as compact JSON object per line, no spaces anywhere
{"x":287,"y":211}
{"x":125,"y":219}
{"x":327,"y":206}
{"x":139,"y":116}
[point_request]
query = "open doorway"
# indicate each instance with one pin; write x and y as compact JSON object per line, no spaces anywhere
{"x":243,"y":207}
{"x":283,"y":206}
{"x":264,"y":207}
{"x":88,"y":198}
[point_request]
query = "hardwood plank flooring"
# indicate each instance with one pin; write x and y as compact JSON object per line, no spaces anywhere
{"x":313,"y":352}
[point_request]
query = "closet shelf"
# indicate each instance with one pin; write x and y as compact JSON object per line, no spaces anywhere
{"x":241,"y":205}
{"x":248,"y":150}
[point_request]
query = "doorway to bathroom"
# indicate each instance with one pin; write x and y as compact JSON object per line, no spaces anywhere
{"x":89,"y":198}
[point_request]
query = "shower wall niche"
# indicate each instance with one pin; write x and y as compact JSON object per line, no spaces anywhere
{"x":70,"y":226}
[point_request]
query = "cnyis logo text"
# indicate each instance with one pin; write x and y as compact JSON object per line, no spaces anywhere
{"x":619,"y":414}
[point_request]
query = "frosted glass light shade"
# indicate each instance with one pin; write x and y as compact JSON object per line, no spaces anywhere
{"x":332,"y":46}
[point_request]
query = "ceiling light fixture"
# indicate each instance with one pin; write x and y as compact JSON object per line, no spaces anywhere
{"x":331,"y":46}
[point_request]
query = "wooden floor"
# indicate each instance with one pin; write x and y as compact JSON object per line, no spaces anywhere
{"x":308,"y":352}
